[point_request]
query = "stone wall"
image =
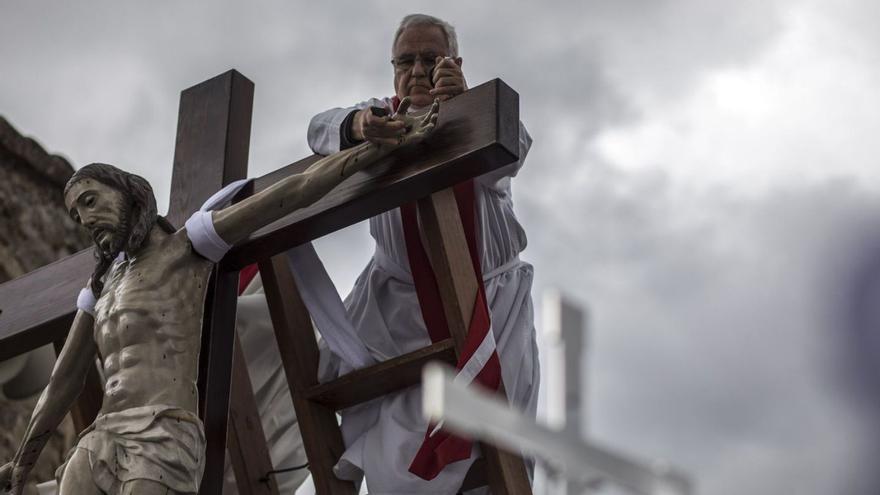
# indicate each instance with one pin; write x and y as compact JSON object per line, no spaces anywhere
{"x":35,"y":230}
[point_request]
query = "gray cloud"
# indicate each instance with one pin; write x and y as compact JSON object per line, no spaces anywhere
{"x":706,"y":302}
{"x":712,"y":346}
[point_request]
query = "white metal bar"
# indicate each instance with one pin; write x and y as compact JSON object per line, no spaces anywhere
{"x":474,"y":413}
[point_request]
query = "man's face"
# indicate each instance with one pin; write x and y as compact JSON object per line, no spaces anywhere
{"x":100,"y":209}
{"x":414,"y":55}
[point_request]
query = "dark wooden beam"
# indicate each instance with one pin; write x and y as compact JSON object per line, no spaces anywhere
{"x":213,"y":136}
{"x":38,"y":308}
{"x":247,"y":451}
{"x":474,"y":136}
{"x":380,"y":379}
{"x":299,"y":356}
{"x":213,"y":139}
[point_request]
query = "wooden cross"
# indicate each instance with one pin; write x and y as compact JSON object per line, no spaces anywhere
{"x":477,"y":132}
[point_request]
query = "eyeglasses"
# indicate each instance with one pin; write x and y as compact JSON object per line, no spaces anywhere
{"x":405,"y":63}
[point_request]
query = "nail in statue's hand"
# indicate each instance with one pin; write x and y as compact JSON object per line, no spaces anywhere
{"x":417,"y":127}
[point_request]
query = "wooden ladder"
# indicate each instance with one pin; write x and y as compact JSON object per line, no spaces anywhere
{"x":316,"y":404}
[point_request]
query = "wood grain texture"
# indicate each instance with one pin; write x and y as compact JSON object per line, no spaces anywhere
{"x":469,"y":141}
{"x":295,"y":334}
{"x":383,"y":378}
{"x":246,"y":439}
{"x":447,"y":249}
{"x":38,"y":308}
{"x":213,"y":139}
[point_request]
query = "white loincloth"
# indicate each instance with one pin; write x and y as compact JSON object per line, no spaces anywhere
{"x":164,"y":444}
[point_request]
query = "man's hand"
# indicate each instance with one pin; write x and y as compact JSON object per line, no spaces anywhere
{"x":448,"y":79}
{"x":416,"y":128}
{"x":375,"y":129}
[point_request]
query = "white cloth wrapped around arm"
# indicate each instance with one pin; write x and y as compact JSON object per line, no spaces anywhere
{"x":200,"y":226}
{"x":86,"y":301}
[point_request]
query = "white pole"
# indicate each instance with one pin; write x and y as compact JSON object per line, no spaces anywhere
{"x":472,"y":412}
{"x":565,"y":338}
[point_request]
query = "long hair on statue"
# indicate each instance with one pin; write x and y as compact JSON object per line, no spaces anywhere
{"x":139,"y":214}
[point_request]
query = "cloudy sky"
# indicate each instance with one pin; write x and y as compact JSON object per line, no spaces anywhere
{"x":703,"y":178}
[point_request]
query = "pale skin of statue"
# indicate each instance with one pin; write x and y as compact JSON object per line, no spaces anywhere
{"x":148,"y":320}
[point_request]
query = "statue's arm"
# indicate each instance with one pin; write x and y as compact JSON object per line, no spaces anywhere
{"x":236,"y":222}
{"x":65,"y":384}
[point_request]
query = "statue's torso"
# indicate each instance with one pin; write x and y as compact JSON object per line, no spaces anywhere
{"x":148,"y":325}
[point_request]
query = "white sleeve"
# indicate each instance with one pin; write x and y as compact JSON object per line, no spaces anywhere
{"x":325,"y":128}
{"x":499,"y":179}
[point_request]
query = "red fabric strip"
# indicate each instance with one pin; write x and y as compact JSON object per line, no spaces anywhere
{"x":245,"y":276}
{"x":443,"y":448}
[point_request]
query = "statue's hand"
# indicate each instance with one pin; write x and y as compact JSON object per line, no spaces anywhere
{"x":12,"y":479}
{"x":417,"y":127}
{"x":6,"y":478}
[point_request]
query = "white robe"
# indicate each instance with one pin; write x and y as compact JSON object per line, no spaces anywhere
{"x":383,"y":436}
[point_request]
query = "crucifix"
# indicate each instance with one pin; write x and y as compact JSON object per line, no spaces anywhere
{"x":213,"y":135}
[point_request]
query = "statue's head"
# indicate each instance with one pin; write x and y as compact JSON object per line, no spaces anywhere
{"x":118,"y":209}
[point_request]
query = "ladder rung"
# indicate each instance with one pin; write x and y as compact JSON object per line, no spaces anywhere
{"x":365,"y":384}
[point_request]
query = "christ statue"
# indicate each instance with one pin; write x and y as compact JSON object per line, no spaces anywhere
{"x":150,"y":284}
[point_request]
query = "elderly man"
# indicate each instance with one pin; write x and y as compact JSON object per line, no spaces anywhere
{"x":384,"y":437}
{"x":142,"y":314}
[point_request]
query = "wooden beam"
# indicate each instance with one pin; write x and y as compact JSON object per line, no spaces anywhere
{"x":450,"y":258}
{"x":38,"y":308}
{"x":299,"y":355}
{"x":247,"y":448}
{"x":473,"y":136}
{"x":383,"y":378}
{"x":476,"y":476}
{"x":213,"y":139}
{"x":447,"y":249}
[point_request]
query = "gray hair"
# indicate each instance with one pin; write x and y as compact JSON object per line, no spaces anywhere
{"x":429,"y":20}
